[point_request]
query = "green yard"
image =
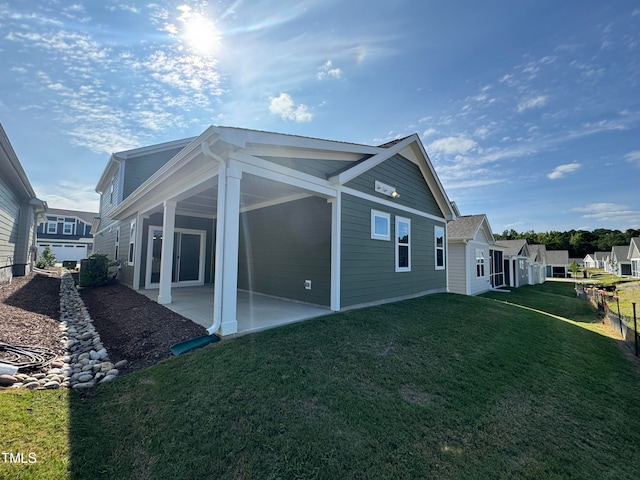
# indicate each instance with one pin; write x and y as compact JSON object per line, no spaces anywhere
{"x":444,"y":386}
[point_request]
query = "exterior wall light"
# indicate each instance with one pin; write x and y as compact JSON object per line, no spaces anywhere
{"x":386,"y":189}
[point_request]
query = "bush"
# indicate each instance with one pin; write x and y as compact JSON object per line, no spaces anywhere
{"x":94,"y":271}
{"x":47,"y":259}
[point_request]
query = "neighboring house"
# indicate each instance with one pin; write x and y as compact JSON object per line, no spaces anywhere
{"x":67,"y":233}
{"x":20,"y":212}
{"x":589,"y":261}
{"x":600,"y":259}
{"x":579,"y":261}
{"x":633,"y":256}
{"x":620,"y":263}
{"x":475,"y":260}
{"x":516,"y":265}
{"x":537,"y":264}
{"x":558,"y":263}
{"x":317,"y":221}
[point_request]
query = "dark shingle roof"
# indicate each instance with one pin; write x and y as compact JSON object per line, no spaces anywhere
{"x":86,"y":217}
{"x":464,"y":227}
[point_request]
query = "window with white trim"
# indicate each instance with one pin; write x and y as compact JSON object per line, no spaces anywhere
{"x":52,"y":227}
{"x":403,"y":244}
{"x":111,"y":189}
{"x":67,"y":228}
{"x":132,"y":243}
{"x":380,"y":225}
{"x":117,"y":248}
{"x":438,"y":234}
{"x":479,"y":263}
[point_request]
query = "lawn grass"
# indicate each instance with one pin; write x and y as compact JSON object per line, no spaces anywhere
{"x":557,"y":298}
{"x":36,"y":426}
{"x":445,"y":386}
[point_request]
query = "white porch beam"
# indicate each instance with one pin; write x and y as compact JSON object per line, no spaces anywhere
{"x":166,"y":261}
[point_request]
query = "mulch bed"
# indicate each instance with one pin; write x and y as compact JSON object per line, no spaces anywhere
{"x":30,"y":312}
{"x":132,"y":327}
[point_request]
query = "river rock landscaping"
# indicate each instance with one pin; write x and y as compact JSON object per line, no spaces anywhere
{"x":50,"y":314}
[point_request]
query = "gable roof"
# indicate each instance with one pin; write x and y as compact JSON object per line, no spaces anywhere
{"x":251,"y":146}
{"x":86,"y":217}
{"x":557,"y":257}
{"x":601,"y":255}
{"x":466,"y":227}
{"x":619,"y":253}
{"x":538,"y":253}
{"x":634,"y":248}
{"x":12,"y":171}
{"x":515,"y":247}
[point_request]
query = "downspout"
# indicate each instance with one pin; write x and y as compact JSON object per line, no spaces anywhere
{"x":219,"y":254}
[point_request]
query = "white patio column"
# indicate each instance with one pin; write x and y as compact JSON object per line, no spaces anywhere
{"x":166,"y":260}
{"x":336,"y":227}
{"x":230,"y":239}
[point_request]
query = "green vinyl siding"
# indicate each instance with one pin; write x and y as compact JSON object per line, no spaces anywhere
{"x":284,"y":245}
{"x":368,"y":266}
{"x":315,"y":167}
{"x":138,"y":169}
{"x":406,"y":177}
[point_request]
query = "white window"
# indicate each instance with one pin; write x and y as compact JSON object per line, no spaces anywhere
{"x":380,"y":225}
{"x":68,"y":228}
{"x":117,"y":249}
{"x":52,"y":227}
{"x":132,"y":243}
{"x":403,"y":244}
{"x":479,"y":263}
{"x":439,"y":246}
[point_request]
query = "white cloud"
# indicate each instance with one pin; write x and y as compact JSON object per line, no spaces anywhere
{"x":633,"y":157}
{"x":562,"y":170}
{"x":69,"y":195}
{"x":284,"y":106}
{"x":452,"y":145}
{"x":428,"y":132}
{"x":534,"y":102}
{"x":327,"y":70}
{"x":609,"y":211}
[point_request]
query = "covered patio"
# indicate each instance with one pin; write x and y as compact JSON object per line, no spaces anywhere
{"x":255,"y":311}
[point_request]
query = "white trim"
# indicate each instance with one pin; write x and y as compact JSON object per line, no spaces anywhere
{"x":116,"y":248}
{"x":72,"y":226}
{"x":288,"y":176}
{"x":138,"y":254}
{"x":398,"y":244}
{"x":131,"y":252}
{"x":389,"y":204}
{"x":382,"y":155}
{"x":201,"y":261}
{"x":386,"y":216}
{"x":437,"y":228}
{"x":49,"y":224}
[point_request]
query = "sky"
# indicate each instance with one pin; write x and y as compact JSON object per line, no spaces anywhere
{"x":529,"y":110}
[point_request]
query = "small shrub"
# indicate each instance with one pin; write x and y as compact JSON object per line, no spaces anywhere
{"x":47,"y":259}
{"x":94,"y":272}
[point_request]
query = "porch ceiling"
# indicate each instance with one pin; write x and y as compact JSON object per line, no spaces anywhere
{"x":255,"y":192}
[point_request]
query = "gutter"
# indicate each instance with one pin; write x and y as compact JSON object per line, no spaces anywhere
{"x":219,"y":254}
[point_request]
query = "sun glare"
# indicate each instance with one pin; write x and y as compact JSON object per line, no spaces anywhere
{"x":202,"y":35}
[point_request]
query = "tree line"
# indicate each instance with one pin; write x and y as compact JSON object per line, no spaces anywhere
{"x":578,"y":242}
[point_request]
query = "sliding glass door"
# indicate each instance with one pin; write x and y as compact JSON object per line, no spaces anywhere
{"x":188,"y":257}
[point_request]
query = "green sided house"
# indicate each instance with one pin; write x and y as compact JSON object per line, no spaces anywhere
{"x":314,"y":222}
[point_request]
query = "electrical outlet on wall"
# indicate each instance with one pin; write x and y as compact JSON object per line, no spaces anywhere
{"x":307,"y":284}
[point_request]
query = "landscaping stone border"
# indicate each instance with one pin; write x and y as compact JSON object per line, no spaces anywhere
{"x":86,"y":362}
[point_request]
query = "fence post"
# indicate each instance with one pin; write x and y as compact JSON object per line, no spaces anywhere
{"x":635,"y":327}
{"x":619,"y":317}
